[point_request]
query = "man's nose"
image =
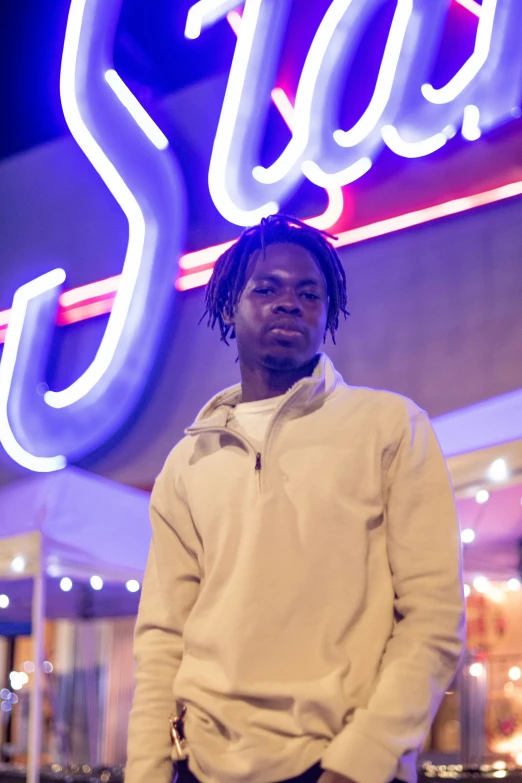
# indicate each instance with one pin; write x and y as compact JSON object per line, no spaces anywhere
{"x":288,"y":303}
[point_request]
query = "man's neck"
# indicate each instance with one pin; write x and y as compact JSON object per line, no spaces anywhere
{"x":261,"y":383}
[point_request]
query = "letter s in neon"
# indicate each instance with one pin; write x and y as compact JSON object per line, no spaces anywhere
{"x":130,"y":154}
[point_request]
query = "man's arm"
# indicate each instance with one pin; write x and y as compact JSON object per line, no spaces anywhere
{"x":170,"y":589}
{"x":424,"y":552}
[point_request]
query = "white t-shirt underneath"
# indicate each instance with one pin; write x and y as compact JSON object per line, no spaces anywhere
{"x":251,"y":419}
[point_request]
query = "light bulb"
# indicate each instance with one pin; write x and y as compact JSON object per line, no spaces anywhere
{"x":96,"y":582}
{"x":481,"y":584}
{"x":498,"y":470}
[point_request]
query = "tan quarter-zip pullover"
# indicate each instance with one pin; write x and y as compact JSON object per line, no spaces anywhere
{"x":304,"y":601}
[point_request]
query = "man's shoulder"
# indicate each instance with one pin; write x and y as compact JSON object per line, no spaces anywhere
{"x":180,"y":453}
{"x":172,"y":468}
{"x":376,"y":401}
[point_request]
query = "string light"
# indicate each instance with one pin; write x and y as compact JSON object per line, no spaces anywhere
{"x":467,"y":536}
{"x":476,"y":669}
{"x":498,"y":470}
{"x":481,"y":584}
{"x":18,"y":565}
{"x":482,"y":496}
{"x":132,"y":586}
{"x":66,"y":584}
{"x":96,"y":582}
{"x":4,"y":601}
{"x":18,"y":680}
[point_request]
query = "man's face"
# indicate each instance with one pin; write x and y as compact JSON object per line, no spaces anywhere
{"x":281,"y":316}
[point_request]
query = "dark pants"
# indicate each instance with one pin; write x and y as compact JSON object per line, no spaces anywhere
{"x":182,"y":774}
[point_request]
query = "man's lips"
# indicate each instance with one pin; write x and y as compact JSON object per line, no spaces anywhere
{"x":286,"y":328}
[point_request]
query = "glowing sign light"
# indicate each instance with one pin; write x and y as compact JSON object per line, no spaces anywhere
{"x":136,"y":110}
{"x":281,"y":100}
{"x":471,"y":67}
{"x":471,"y":5}
{"x":406,"y":113}
{"x":196,"y":267}
{"x":41,"y":288}
{"x":43,"y":431}
{"x":205,"y":13}
{"x":470,"y":124}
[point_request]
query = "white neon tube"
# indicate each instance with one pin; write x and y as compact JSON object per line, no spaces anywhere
{"x":471,"y":123}
{"x":205,"y":13}
{"x":473,"y":65}
{"x":225,"y":132}
{"x":21,"y":300}
{"x":367,"y":123}
{"x":317,"y":176}
{"x":417,"y":149}
{"x":136,"y":110}
{"x":305,"y":92}
{"x":125,"y":199}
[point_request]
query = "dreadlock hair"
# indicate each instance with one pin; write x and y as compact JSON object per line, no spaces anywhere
{"x":230,"y":272}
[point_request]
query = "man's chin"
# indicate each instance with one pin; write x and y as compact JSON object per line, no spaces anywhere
{"x":284,"y":362}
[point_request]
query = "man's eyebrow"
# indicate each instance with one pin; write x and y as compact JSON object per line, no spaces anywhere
{"x":276,"y":279}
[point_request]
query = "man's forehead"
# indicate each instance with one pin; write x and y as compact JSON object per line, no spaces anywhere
{"x":283,"y":260}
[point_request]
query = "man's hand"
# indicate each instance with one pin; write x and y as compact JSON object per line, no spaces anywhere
{"x":334,"y":777}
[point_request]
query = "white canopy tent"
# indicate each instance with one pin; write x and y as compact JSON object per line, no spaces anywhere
{"x":74,"y":524}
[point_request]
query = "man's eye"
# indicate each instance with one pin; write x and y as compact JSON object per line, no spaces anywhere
{"x":263,"y":290}
{"x":310,"y":297}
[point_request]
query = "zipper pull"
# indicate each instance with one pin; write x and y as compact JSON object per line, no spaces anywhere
{"x":258,"y":461}
{"x":176,"y":735}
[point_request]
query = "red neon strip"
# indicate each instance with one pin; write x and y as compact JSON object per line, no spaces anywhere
{"x":471,"y":5}
{"x":234,"y":20}
{"x":283,"y":105}
{"x":89,"y":291}
{"x":84,"y":297}
{"x":210,"y":255}
{"x":207,"y":256}
{"x":83,"y":312}
{"x":194,"y":280}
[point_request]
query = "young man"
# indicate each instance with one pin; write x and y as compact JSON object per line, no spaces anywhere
{"x":303,"y":597}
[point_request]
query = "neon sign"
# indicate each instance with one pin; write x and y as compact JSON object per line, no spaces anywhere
{"x":406,"y":112}
{"x":40,"y":428}
{"x":44,"y":428}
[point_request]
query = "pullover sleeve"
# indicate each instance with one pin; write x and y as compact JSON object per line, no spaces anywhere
{"x":170,"y":589}
{"x":421,"y":657}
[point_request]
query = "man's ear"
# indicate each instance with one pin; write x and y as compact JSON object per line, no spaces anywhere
{"x":228,"y":317}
